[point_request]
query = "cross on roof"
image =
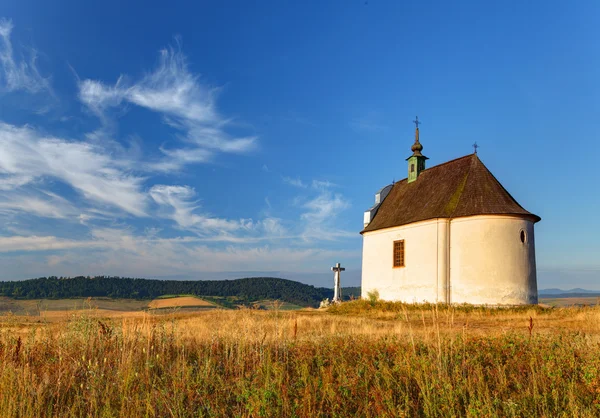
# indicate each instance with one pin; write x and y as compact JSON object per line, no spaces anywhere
{"x":338,"y":267}
{"x":475,"y":146}
{"x":416,"y":122}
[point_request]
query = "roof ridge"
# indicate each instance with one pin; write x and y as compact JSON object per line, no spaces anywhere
{"x":451,"y":161}
{"x":501,"y":186}
{"x":439,"y":165}
{"x":452,"y":205}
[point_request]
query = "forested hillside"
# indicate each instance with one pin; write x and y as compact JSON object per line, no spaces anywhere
{"x":248,"y":289}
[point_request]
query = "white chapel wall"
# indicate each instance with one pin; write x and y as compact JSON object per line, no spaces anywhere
{"x":488,"y":262}
{"x":418,"y":280}
{"x":477,"y":260}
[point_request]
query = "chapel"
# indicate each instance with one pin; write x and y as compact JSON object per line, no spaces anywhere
{"x":449,"y":234}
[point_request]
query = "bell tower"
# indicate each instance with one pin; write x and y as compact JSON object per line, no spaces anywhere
{"x":416,"y":162}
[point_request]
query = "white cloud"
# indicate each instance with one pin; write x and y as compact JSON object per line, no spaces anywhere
{"x":25,"y":154}
{"x":324,"y":207}
{"x":18,"y":74}
{"x":41,"y":203}
{"x":321,"y":213}
{"x":35,"y":243}
{"x":10,"y":182}
{"x":178,"y":204}
{"x":179,"y":157}
{"x":116,"y":251}
{"x":322,"y":185}
{"x":186,"y":104}
{"x":273,"y":227}
{"x":98,"y":96}
{"x":315,"y":184}
{"x":320,"y":210}
{"x":294,"y":182}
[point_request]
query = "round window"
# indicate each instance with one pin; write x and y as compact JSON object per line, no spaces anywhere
{"x":523,"y":236}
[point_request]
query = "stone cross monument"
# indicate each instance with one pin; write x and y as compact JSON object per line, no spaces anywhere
{"x":337,"y":287}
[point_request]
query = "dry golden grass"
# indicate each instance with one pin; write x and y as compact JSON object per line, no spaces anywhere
{"x":179,"y":302}
{"x":571,"y":301}
{"x":358,"y":359}
{"x":39,"y":307}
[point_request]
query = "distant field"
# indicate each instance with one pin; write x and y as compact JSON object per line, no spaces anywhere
{"x":570,"y":301}
{"x":58,"y":308}
{"x":275,"y":305}
{"x":41,"y":306}
{"x":180,"y":302}
{"x":116,"y":306}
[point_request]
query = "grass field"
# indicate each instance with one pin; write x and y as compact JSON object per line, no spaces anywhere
{"x":275,"y":305}
{"x":180,"y":302}
{"x":41,"y":307}
{"x":61,"y":308}
{"x":357,"y":359}
{"x":572,"y":301}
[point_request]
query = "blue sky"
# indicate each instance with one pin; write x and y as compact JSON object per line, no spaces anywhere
{"x":219,"y":139}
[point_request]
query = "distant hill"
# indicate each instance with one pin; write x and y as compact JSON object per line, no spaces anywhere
{"x":577,"y":292}
{"x":247,"y":289}
{"x":244,"y":290}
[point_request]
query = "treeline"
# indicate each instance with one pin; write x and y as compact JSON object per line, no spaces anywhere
{"x":248,"y":289}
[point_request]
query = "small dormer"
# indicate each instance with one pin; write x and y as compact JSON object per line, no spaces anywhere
{"x":379,"y":197}
{"x":416,"y":162}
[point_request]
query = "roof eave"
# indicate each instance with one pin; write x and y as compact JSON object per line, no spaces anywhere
{"x":529,"y":216}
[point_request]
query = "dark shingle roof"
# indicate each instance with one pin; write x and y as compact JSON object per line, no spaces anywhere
{"x":461,"y":187}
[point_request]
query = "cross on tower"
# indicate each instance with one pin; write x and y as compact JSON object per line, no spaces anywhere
{"x":416,"y":122}
{"x":475,"y":146}
{"x":337,"y":288}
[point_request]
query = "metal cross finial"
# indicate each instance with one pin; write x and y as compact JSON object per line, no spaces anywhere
{"x":475,"y":146}
{"x":416,"y":122}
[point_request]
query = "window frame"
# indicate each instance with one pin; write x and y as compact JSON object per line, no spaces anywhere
{"x":403,"y":257}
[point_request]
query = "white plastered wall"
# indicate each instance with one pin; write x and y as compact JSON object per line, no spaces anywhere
{"x":418,"y":280}
{"x":488,"y":262}
{"x":478,"y":260}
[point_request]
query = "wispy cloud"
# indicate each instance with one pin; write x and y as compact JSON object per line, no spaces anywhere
{"x":320,"y":211}
{"x":26,"y":154}
{"x":14,"y":181}
{"x":18,"y":73}
{"x":314,"y":184}
{"x":186,"y":105}
{"x":294,"y":182}
{"x":322,"y":184}
{"x":35,"y":243}
{"x":177,"y":203}
{"x":324,"y":207}
{"x":118,"y":251}
{"x":40,"y":203}
{"x":99,"y":96}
